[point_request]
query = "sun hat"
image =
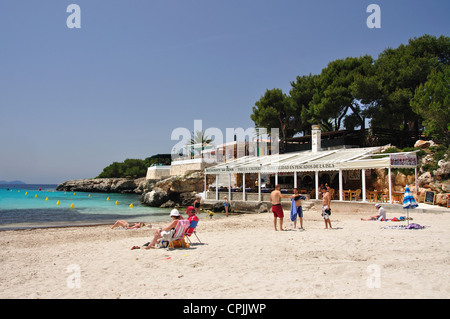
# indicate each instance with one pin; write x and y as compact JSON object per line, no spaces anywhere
{"x":174,"y":212}
{"x":377,"y":205}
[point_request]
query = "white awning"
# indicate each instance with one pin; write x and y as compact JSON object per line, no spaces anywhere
{"x":307,"y":161}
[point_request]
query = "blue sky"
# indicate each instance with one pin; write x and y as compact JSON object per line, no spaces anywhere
{"x":72,"y":101}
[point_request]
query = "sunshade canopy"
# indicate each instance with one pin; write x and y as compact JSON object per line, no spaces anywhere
{"x":307,"y":161}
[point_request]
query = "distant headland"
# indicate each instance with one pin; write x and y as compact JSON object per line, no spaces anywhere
{"x":2,"y":182}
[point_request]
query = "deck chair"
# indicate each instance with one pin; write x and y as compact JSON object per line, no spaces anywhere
{"x":176,"y":234}
{"x":192,"y":226}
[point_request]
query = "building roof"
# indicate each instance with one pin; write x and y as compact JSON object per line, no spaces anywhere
{"x":307,"y":161}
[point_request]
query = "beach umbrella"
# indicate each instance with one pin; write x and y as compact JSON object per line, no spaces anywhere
{"x":408,"y":202}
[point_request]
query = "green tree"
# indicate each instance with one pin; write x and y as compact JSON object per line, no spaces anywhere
{"x":134,"y":168}
{"x":275,"y":110}
{"x":334,"y":97}
{"x":391,"y":84}
{"x":302,"y":92}
{"x":113,"y":170}
{"x":432,"y":102}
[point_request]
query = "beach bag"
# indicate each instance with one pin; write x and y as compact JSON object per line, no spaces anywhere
{"x":180,"y":243}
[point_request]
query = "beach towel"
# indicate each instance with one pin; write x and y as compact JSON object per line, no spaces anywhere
{"x":410,"y":226}
{"x":293,"y":211}
{"x":294,"y":208}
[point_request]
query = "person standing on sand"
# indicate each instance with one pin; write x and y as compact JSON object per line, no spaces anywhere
{"x":326,"y":207}
{"x":298,"y":206}
{"x":197,"y":205}
{"x":227,"y":205}
{"x":277,"y":210}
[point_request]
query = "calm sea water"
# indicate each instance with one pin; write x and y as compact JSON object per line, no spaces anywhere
{"x":25,"y":206}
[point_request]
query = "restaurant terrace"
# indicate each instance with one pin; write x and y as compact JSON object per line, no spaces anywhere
{"x":306,"y":170}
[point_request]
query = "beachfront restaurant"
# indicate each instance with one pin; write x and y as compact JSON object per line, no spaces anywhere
{"x":306,"y":171}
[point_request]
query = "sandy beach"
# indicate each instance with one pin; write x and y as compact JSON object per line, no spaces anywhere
{"x":241,"y":257}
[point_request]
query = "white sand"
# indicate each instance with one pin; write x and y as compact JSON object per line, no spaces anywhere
{"x":243,"y":257}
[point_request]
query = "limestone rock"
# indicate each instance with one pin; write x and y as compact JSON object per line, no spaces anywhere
{"x":155,"y":198}
{"x":103,"y":185}
{"x":424,"y":179}
{"x":441,"y":199}
{"x":422,"y":144}
{"x":443,"y":171}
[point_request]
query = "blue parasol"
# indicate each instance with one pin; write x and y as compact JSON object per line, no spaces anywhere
{"x":408,"y":202}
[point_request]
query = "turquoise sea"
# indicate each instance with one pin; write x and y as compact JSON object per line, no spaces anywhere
{"x":25,"y":206}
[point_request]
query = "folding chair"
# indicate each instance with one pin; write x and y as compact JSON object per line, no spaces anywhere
{"x":191,"y":230}
{"x":177,"y":234}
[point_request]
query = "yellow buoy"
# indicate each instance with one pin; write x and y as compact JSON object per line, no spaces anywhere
{"x":89,"y":195}
{"x":72,"y":206}
{"x":74,"y":193}
{"x":46,"y":199}
{"x":58,"y":203}
{"x":26,"y":193}
{"x":35,"y":196}
{"x":117,"y":202}
{"x":131,"y":205}
{"x":107,"y":199}
{"x":18,"y":191}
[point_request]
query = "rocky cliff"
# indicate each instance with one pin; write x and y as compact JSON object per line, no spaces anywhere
{"x":105,"y":185}
{"x":170,"y":192}
{"x":176,"y":190}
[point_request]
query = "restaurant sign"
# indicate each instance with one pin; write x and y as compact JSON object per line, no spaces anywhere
{"x":271,"y":168}
{"x":403,"y":160}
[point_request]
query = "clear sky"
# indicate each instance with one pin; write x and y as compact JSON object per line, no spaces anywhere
{"x":73,"y":101}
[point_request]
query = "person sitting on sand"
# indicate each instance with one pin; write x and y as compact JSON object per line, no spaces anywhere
{"x":160,"y":232}
{"x":381,"y":214}
{"x":190,"y":211}
{"x":124,"y":224}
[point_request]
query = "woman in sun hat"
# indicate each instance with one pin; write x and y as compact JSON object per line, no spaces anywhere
{"x":381,"y":213}
{"x":160,"y":232}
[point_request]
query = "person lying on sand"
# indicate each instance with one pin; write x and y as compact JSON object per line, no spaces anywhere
{"x":124,"y":224}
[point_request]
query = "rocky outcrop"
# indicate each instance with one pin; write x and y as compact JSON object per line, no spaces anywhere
{"x":176,"y":190}
{"x":105,"y":185}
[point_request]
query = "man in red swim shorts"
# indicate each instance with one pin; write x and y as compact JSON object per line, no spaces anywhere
{"x":277,"y":210}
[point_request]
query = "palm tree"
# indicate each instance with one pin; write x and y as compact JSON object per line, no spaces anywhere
{"x":199,"y":139}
